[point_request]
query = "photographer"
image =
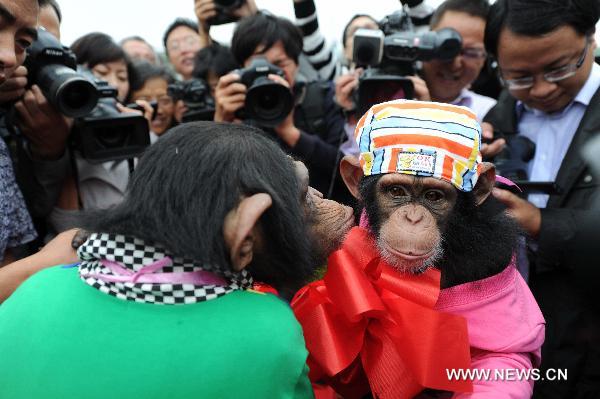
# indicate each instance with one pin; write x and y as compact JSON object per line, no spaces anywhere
{"x":182,"y":42}
{"x":545,"y":53}
{"x":17,"y":32}
{"x":218,"y":12}
{"x":313,"y":129}
{"x":150,"y":84}
{"x":139,"y":49}
{"x":321,"y":55}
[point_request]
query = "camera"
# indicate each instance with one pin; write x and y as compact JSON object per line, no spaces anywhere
{"x":196,"y":97}
{"x":512,"y":161}
{"x":224,"y":9}
{"x":267,"y":103}
{"x":389,"y":54}
{"x":53,"y":68}
{"x":105,"y":134}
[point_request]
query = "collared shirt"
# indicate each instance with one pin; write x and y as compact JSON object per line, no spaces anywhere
{"x":478,"y":103}
{"x":553,"y":133}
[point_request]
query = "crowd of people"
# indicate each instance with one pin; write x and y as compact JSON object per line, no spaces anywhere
{"x":268,"y":184}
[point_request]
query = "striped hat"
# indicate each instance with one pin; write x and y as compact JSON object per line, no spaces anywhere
{"x":421,"y":138}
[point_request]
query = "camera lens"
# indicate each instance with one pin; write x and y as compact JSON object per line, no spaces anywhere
{"x":76,"y":98}
{"x":268,"y":103}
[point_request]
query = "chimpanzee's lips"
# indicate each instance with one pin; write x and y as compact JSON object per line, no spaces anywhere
{"x":411,"y":256}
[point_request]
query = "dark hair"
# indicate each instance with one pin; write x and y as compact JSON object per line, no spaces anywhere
{"x":54,"y":5}
{"x":176,"y":24}
{"x":145,"y":71}
{"x":187,"y":182}
{"x":216,"y":59}
{"x":475,"y":8}
{"x":265,"y":30}
{"x":97,"y":48}
{"x":539,"y":17}
{"x":355,"y":17}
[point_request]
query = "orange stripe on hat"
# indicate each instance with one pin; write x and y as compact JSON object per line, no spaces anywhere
{"x":420,"y":105}
{"x":431,"y":141}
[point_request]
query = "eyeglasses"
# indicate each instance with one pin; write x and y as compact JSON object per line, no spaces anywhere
{"x":162,"y":101}
{"x":178,"y":44}
{"x":473,"y":53}
{"x":552,"y":76}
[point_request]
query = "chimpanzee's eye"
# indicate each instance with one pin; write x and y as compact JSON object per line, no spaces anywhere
{"x":396,"y":191}
{"x":434,"y":195}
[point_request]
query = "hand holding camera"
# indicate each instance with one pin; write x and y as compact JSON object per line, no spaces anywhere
{"x":46,"y":129}
{"x":15,"y":86}
{"x":258,"y":93}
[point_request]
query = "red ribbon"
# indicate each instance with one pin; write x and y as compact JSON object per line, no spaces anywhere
{"x":369,"y":328}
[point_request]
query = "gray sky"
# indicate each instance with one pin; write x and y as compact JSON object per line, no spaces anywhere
{"x":149,"y":18}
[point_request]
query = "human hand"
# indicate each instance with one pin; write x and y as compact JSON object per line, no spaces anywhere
{"x":230,"y":96}
{"x":492,"y":149}
{"x":14,"y":87}
{"x":525,"y":213}
{"x":344,"y":87}
{"x":180,"y":109}
{"x":62,"y":249}
{"x":421,"y":90}
{"x":46,"y":129}
{"x":147,"y":110}
{"x":245,"y":10}
{"x":205,"y":10}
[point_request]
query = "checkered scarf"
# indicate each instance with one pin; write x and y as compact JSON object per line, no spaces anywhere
{"x":132,"y":254}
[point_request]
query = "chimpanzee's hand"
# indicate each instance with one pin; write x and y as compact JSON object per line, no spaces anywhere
{"x":14,"y":87}
{"x":344,"y":87}
{"x":230,"y":96}
{"x":46,"y":129}
{"x":525,"y":213}
{"x":493,"y":148}
{"x":421,"y":89}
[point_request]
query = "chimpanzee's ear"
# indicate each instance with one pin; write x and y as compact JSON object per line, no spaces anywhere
{"x":239,"y":229}
{"x":485,"y":182}
{"x":351,"y":173}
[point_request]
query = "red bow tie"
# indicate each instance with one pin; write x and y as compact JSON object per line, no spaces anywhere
{"x":369,"y":328}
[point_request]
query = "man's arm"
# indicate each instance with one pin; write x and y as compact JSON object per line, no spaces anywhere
{"x":318,"y":53}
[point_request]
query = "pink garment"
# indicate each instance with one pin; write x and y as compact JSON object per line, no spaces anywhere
{"x":506,"y":330}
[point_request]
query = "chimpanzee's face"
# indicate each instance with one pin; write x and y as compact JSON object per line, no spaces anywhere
{"x":409,"y":217}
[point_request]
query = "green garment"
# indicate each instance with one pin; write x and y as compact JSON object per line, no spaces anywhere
{"x":62,"y":339}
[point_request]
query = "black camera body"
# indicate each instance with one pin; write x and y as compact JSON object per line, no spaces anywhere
{"x":105,"y":134}
{"x":53,"y":67}
{"x":512,"y":161}
{"x":225,"y":10}
{"x":196,"y":96}
{"x":268,"y":103}
{"x":389,"y":54}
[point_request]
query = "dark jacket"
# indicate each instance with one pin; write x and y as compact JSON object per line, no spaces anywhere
{"x":560,"y":278}
{"x":321,"y":124}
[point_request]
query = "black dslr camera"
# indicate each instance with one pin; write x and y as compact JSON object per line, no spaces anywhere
{"x":53,"y":67}
{"x":105,"y":134}
{"x":225,"y":9}
{"x":267,"y":103}
{"x":196,"y":97}
{"x":390,"y":54}
{"x":512,"y":163}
